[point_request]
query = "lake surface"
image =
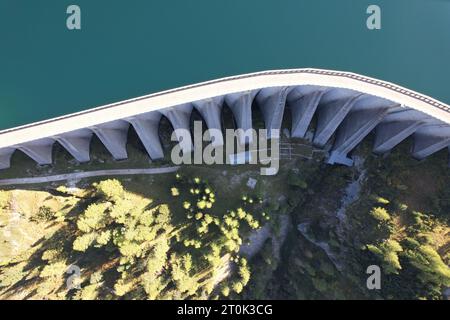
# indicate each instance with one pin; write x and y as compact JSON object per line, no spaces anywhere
{"x":136,"y":47}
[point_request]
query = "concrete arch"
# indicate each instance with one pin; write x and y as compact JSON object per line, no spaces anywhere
{"x":179,"y":116}
{"x":113,"y":135}
{"x":77,"y":143}
{"x":271,"y":102}
{"x":211,"y":110}
{"x":303,"y":102}
{"x":147,"y":128}
{"x":241,"y":106}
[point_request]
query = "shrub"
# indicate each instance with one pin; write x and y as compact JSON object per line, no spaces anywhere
{"x":237,"y":287}
{"x":45,"y":214}
{"x":175,"y":192}
{"x":110,"y":189}
{"x":380,"y":214}
{"x":225,"y":291}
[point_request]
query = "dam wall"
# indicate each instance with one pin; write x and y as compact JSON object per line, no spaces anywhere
{"x":346,"y":108}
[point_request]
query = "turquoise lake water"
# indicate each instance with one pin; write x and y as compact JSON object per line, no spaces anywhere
{"x":131,"y":48}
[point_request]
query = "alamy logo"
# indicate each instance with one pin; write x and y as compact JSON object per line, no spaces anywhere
{"x":374,"y":20}
{"x":251,"y":147}
{"x":374,"y":280}
{"x":73,"y":281}
{"x":73,"y":21}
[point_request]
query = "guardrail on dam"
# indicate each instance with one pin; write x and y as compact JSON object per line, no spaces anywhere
{"x":347,"y":107}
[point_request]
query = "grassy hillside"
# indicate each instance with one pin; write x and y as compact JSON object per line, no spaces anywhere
{"x":310,"y":232}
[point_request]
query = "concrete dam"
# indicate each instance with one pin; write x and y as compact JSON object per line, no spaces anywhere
{"x":346,"y":107}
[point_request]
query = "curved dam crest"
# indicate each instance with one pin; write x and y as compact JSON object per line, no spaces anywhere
{"x":347,"y":106}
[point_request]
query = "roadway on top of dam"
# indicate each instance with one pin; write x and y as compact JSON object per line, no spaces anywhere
{"x":125,"y":51}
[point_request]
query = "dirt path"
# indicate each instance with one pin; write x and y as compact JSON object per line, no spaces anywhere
{"x":14,"y":234}
{"x":87,"y":174}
